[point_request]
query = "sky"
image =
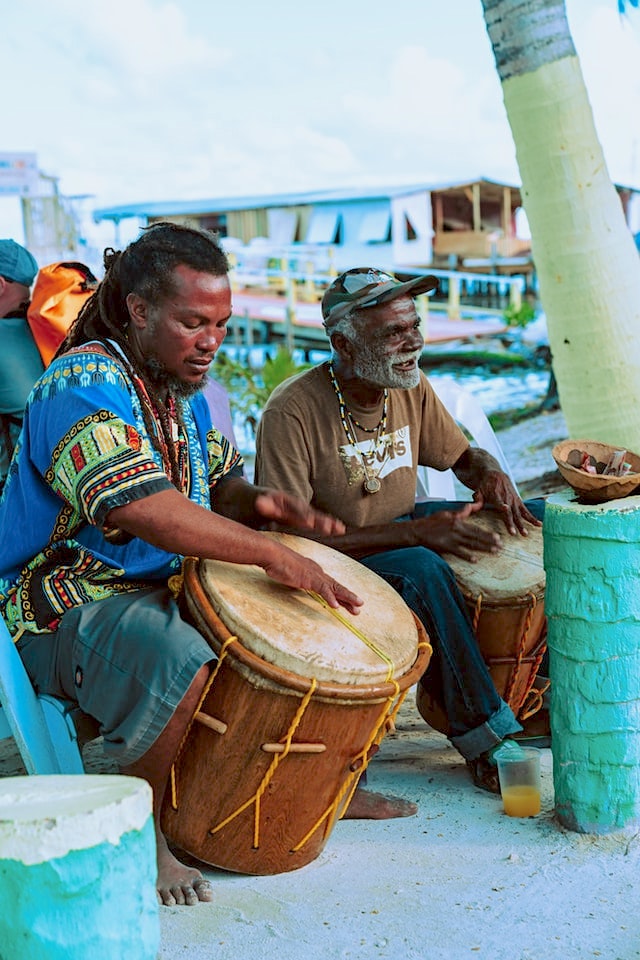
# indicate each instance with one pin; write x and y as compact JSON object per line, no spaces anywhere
{"x":137,"y":100}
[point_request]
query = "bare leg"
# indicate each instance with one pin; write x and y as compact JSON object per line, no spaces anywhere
{"x":177,"y":884}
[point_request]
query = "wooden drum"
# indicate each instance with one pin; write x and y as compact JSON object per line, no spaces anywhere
{"x":505,"y":598}
{"x":299,"y":700}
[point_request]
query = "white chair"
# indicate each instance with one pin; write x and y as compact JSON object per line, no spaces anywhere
{"x":467,"y":412}
{"x":43,"y":727}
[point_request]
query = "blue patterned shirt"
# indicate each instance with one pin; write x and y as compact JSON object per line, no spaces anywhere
{"x":83,"y":450}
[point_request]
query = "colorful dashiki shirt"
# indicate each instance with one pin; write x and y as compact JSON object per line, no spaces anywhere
{"x":83,"y":450}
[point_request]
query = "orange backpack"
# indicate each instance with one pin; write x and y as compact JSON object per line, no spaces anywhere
{"x":59,"y":291}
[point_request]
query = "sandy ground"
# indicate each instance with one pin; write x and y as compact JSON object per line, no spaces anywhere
{"x":459,"y":880}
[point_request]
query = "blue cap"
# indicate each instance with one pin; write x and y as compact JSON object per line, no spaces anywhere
{"x":16,"y":263}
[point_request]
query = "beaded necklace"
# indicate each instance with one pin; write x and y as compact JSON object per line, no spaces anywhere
{"x":168,"y":426}
{"x":371,"y":477}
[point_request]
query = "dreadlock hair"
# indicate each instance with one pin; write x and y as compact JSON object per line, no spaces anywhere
{"x":145,"y":268}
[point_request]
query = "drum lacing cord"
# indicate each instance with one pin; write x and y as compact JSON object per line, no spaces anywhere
{"x":214,"y":673}
{"x":521,"y":652}
{"x":535,"y":695}
{"x":349,"y":786}
{"x":388,"y":715}
{"x":358,"y":633}
{"x":278,"y":757}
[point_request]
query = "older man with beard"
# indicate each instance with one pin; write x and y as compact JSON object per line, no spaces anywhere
{"x":117,"y":476}
{"x":347,"y":437}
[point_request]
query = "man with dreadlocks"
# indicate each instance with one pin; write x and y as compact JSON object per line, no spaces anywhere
{"x":118,"y":474}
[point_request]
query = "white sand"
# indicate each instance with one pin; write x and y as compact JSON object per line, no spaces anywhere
{"x":459,"y":880}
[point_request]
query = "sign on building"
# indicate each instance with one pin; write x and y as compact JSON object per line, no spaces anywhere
{"x":18,"y":173}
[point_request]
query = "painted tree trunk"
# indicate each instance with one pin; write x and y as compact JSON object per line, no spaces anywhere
{"x":586,"y":260}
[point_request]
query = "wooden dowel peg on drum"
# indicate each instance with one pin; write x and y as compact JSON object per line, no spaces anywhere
{"x":210,"y":722}
{"x":294,"y":747}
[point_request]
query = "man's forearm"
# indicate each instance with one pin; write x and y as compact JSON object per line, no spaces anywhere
{"x":375,"y":539}
{"x":235,"y":498}
{"x":473,"y":466}
{"x":170,"y":521}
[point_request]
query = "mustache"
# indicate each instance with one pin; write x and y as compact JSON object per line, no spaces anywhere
{"x":405,"y":357}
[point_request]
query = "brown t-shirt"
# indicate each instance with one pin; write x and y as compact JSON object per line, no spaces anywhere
{"x":302,"y":448}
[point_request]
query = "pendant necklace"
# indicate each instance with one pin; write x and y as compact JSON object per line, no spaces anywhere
{"x":349,"y":423}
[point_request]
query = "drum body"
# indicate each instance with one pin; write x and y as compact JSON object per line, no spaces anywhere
{"x":504,"y":593}
{"x":297,"y":705}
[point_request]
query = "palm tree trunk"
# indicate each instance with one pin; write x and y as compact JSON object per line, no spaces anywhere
{"x":586,"y":261}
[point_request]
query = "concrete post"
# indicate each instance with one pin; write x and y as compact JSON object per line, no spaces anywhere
{"x":77,"y":869}
{"x":592,"y":601}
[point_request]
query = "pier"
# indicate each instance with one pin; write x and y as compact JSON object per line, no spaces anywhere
{"x":281,"y":304}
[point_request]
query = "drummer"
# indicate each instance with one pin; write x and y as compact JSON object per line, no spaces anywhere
{"x":347,"y":437}
{"x":117,"y":475}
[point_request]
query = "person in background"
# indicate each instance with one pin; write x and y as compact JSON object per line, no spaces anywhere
{"x":347,"y":437}
{"x":20,"y":361}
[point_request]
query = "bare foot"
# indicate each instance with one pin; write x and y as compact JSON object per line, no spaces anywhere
{"x":179,"y":885}
{"x":366,"y":805}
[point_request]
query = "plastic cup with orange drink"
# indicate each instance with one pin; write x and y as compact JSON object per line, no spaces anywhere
{"x":519,"y":775}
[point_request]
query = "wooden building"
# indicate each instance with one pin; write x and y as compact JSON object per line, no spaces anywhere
{"x":473,"y":225}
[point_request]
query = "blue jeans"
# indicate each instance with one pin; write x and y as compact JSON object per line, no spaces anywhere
{"x":457,"y":677}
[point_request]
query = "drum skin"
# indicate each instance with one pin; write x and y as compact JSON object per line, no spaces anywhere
{"x":504,"y":594}
{"x":280,"y":807}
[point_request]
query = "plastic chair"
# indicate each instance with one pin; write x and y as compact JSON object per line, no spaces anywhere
{"x":219,"y":404}
{"x":466,"y":411}
{"x":43,"y":727}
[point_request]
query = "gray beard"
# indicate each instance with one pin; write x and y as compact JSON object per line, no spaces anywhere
{"x":379,"y":371}
{"x":166,"y":382}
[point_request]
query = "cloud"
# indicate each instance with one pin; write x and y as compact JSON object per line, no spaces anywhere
{"x":605,"y":38}
{"x":433,"y":108}
{"x":141,"y":40}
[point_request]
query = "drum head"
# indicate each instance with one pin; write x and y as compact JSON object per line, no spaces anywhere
{"x":517,"y":571}
{"x":292,"y":630}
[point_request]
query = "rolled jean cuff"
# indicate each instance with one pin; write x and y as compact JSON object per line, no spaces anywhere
{"x":489,"y":734}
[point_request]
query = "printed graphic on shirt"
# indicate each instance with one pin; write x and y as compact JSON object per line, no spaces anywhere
{"x":392,"y":451}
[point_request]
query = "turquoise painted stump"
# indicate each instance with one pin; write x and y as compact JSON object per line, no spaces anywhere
{"x":77,"y":869}
{"x":592,"y":601}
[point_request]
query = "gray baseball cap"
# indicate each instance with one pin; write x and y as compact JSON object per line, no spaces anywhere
{"x":367,"y":287}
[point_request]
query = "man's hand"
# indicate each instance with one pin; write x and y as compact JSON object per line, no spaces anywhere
{"x":448,"y":531}
{"x":295,"y":570}
{"x":497,"y":491}
{"x":290,"y":511}
{"x":481,"y":472}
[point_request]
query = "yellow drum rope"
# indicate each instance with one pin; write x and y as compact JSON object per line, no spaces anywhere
{"x":520,"y":652}
{"x":350,"y":783}
{"x":358,"y":633}
{"x":214,"y":673}
{"x":256,"y":798}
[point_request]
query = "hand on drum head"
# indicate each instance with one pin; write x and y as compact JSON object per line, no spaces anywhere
{"x":290,"y":511}
{"x":448,"y":531}
{"x":295,"y":570}
{"x":497,"y":491}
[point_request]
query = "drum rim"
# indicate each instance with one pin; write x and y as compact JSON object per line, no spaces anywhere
{"x":513,"y":601}
{"x":197,"y":602}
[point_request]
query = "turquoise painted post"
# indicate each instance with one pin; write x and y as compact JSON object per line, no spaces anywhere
{"x":77,"y":869}
{"x":592,"y":601}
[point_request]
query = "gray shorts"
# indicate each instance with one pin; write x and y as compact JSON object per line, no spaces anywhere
{"x":127,"y":661}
